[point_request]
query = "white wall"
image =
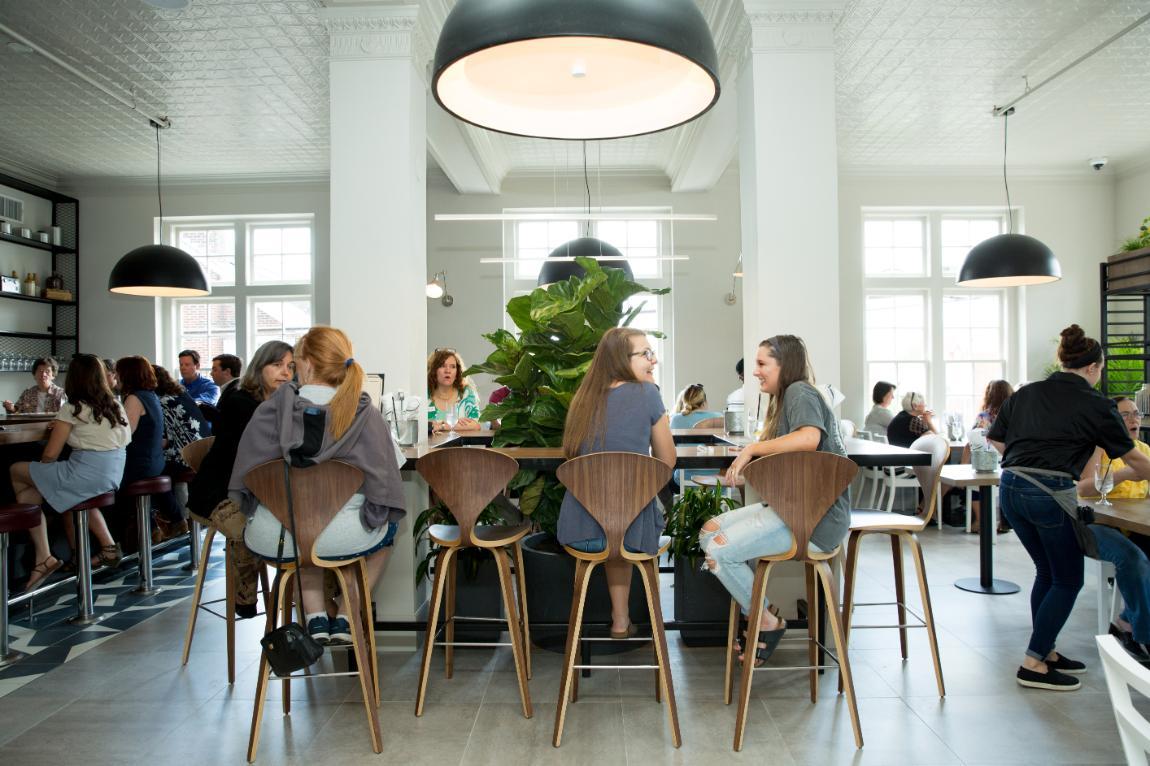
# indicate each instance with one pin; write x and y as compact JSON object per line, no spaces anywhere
{"x":117,"y":220}
{"x":1073,"y":216}
{"x":707,"y":333}
{"x":1131,"y":204}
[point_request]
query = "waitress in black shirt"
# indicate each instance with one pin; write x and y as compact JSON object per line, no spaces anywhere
{"x":1047,"y":432}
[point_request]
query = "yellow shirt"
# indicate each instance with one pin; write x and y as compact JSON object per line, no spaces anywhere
{"x":1129,"y":489}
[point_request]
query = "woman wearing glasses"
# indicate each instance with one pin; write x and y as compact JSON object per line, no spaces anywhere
{"x":617,"y":409}
{"x":453,"y":403}
{"x":914,"y":421}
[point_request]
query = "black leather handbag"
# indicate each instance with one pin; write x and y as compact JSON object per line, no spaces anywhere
{"x":289,"y":648}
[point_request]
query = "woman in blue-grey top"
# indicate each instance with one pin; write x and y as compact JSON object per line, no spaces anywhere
{"x":798,"y":420}
{"x":617,"y":409}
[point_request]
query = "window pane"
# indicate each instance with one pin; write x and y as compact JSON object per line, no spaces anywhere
{"x":894,"y":247}
{"x":959,"y":235}
{"x":213,"y":248}
{"x":534,"y":241}
{"x":283,"y":319}
{"x":280,"y":254}
{"x":207,"y":327}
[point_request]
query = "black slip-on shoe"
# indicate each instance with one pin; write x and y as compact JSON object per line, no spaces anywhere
{"x":1066,"y":665}
{"x":1051,"y":680}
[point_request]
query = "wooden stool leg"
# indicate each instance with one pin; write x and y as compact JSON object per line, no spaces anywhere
{"x":264,"y":677}
{"x":927,"y":610}
{"x":198,"y":593}
{"x":449,"y":618}
{"x":850,"y":570}
{"x":732,"y":638}
{"x":437,"y":588}
{"x":583,"y":571}
{"x":899,"y":591}
{"x":506,"y":589}
{"x":524,"y":622}
{"x":754,"y":619}
{"x":358,"y":644}
{"x":369,"y":625}
{"x":267,"y":591}
{"x":230,"y":576}
{"x":813,"y":611}
{"x":287,"y":612}
{"x":649,"y":569}
{"x":830,"y":588}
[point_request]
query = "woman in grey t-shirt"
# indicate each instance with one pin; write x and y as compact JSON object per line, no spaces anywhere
{"x":617,"y":409}
{"x":798,"y":420}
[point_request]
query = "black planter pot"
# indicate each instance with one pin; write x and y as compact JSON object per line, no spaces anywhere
{"x":550,"y":576}
{"x":700,"y":597}
{"x":476,"y":595}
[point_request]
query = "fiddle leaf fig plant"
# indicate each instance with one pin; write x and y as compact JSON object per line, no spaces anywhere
{"x":559,"y":328}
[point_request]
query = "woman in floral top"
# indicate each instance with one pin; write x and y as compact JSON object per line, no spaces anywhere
{"x":450,"y":396}
{"x":183,"y":421}
{"x":45,"y":396}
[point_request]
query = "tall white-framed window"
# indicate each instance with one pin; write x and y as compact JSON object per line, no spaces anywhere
{"x":260,"y":269}
{"x":641,"y":240}
{"x":922,"y":332}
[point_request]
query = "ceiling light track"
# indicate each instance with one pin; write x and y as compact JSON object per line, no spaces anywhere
{"x":999,"y":111}
{"x":696,"y":217}
{"x":157,"y":119}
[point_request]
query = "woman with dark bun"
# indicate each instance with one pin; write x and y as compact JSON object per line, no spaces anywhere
{"x":1047,"y":432}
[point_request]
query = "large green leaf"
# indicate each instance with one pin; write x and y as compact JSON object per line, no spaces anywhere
{"x":519,"y":309}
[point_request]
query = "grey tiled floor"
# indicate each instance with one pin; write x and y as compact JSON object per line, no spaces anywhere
{"x":129,"y":701}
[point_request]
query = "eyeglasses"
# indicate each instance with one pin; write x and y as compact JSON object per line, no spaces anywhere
{"x":448,"y":350}
{"x":1134,"y":415}
{"x":646,"y":353}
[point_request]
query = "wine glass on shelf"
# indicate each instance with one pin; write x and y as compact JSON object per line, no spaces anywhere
{"x":1104,"y":483}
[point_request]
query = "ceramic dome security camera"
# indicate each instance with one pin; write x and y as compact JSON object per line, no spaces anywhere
{"x":1098,"y":163}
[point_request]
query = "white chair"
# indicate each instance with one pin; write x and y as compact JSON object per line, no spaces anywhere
{"x":847,"y":428}
{"x":1123,"y":672}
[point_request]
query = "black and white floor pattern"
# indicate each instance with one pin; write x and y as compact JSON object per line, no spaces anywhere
{"x":42,"y":631}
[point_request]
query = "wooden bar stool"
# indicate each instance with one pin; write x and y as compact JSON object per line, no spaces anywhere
{"x":614,"y":487}
{"x":142,"y":492}
{"x":14,"y":517}
{"x":800,"y":487}
{"x":466,"y":480}
{"x":193,"y":455}
{"x":902,"y":529}
{"x":318,"y":493}
{"x":82,"y":555}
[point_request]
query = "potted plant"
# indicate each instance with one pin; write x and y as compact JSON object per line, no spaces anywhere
{"x":559,"y":328}
{"x":699,"y":596}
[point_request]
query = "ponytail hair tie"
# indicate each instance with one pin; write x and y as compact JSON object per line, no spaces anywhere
{"x":349,"y":362}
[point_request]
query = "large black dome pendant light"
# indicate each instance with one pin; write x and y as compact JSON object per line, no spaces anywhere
{"x":1009,"y":260}
{"x":576,"y":69}
{"x":158,"y":271}
{"x":609,"y":256}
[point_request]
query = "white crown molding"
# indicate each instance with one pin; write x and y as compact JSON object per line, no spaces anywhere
{"x":28,"y":173}
{"x":99,"y":184}
{"x":976,"y":173}
{"x":375,"y":32}
{"x":1128,"y":170}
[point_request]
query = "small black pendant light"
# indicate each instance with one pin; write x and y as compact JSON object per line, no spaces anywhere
{"x":158,"y":271}
{"x":609,"y":256}
{"x":576,"y":69}
{"x":1009,"y":260}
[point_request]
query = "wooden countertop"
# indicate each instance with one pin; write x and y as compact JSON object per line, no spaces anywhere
{"x":1133,"y":515}
{"x":21,"y":429}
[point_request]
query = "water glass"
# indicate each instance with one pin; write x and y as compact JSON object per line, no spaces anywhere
{"x":1104,"y":483}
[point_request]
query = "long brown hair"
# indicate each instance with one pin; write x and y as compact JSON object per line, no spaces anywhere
{"x":586,"y":417}
{"x":87,"y":383}
{"x":253,"y":379}
{"x":794,"y":365}
{"x":135,"y":374}
{"x":997,"y":392}
{"x":166,"y":385}
{"x":332,"y":361}
{"x":439,"y":358}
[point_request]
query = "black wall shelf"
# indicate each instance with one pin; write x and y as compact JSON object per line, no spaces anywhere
{"x":22,"y":297}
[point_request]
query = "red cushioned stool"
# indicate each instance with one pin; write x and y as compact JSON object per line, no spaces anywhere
{"x":82,"y":556}
{"x":142,"y":491}
{"x":14,"y":517}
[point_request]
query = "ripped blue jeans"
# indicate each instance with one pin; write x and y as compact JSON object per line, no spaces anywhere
{"x":732,"y":540}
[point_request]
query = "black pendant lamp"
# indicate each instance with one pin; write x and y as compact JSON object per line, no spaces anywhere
{"x":609,"y":256}
{"x":1009,"y":260}
{"x":576,"y":69}
{"x":158,"y":271}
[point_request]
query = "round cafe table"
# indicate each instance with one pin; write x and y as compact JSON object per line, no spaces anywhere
{"x":966,"y":476}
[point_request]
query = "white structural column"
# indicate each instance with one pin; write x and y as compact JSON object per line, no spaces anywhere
{"x":379,"y":224}
{"x":788,"y":171}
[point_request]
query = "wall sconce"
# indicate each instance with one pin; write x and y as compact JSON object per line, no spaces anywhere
{"x":730,"y":297}
{"x":437,"y":288}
